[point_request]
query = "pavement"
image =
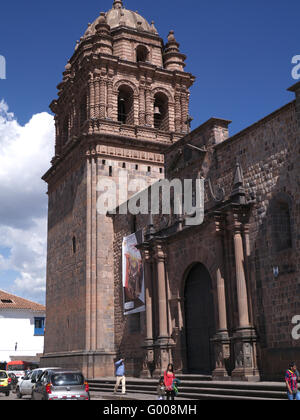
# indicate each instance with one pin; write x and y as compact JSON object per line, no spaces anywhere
{"x":100,"y":396}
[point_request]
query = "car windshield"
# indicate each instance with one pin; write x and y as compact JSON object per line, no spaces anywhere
{"x":61,"y":379}
{"x":3,"y":375}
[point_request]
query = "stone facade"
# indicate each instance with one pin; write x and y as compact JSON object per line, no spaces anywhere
{"x":123,"y":100}
{"x":123,"y":105}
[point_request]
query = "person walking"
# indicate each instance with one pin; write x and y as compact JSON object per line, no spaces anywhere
{"x":120,"y":374}
{"x":169,"y":377}
{"x":291,"y":380}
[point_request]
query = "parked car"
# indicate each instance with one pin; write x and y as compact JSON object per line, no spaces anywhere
{"x":58,"y":384}
{"x":27,"y":382}
{"x":5,"y":382}
{"x":14,"y":380}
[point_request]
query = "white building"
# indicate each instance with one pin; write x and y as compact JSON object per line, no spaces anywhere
{"x":22,"y":325}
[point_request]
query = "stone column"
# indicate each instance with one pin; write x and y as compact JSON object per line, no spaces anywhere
{"x":245,"y":337}
{"x":184,"y":111}
{"x":142,"y":105}
{"x":221,"y":340}
{"x":109,"y":102}
{"x":148,"y":365}
{"x":92,"y":97}
{"x":163,"y":343}
{"x":91,"y":104}
{"x":149,"y":106}
{"x":240,"y":276}
{"x":97,"y":97}
{"x":102,"y":106}
{"x":178,"y":116}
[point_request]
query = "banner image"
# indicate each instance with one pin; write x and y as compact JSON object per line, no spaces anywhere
{"x":133,"y":275}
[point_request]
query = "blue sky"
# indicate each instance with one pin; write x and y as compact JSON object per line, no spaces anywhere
{"x":239,"y":51}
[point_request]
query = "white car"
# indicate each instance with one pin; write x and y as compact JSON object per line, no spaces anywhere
{"x":26,"y":383}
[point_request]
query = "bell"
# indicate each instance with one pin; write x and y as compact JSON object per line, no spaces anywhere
{"x":122,"y":99}
{"x":157,"y":111}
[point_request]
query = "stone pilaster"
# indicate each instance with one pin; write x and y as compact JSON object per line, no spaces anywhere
{"x":142,"y":105}
{"x":109,"y":104}
{"x":149,"y":107}
{"x":148,"y":364}
{"x":91,"y":97}
{"x":221,"y":341}
{"x":245,"y":338}
{"x":102,"y":105}
{"x":178,"y":116}
{"x":164,"y":343}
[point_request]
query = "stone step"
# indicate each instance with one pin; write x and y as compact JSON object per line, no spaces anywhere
{"x":199,"y":390}
{"x":262,"y":386}
{"x":196,"y":391}
{"x":194,"y":396}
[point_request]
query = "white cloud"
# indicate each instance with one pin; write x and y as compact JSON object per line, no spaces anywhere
{"x":25,"y":154}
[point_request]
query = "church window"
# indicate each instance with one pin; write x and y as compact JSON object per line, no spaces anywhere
{"x":125,"y":105}
{"x":161,"y":112}
{"x":281,"y":224}
{"x":142,"y":54}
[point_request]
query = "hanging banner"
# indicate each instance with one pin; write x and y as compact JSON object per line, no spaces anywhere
{"x":133,"y":275}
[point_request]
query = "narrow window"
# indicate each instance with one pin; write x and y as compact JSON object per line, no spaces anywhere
{"x":65,"y":130}
{"x":74,"y":244}
{"x":83,"y":110}
{"x":110,"y":171}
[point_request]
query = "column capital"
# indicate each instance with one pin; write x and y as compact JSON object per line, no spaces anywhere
{"x":220,"y":223}
{"x":239,"y":216}
{"x":160,"y":253}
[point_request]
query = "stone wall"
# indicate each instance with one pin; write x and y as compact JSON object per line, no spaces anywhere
{"x":268,"y":154}
{"x":66,"y":315}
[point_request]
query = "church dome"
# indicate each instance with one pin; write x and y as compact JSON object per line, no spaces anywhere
{"x":119,"y":16}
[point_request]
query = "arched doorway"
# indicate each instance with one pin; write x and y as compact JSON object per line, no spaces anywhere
{"x":199,"y":320}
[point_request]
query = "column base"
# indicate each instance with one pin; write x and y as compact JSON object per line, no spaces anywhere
{"x":245,"y":355}
{"x":148,"y":364}
{"x":163,"y":356}
{"x":221,"y":343}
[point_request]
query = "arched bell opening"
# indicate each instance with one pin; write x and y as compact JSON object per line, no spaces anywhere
{"x":125,"y":105}
{"x":161,"y":112}
{"x":142,"y":54}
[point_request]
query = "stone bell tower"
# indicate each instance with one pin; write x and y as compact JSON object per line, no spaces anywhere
{"x":123,"y":100}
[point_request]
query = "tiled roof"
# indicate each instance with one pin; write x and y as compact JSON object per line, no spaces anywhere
{"x":9,"y":301}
